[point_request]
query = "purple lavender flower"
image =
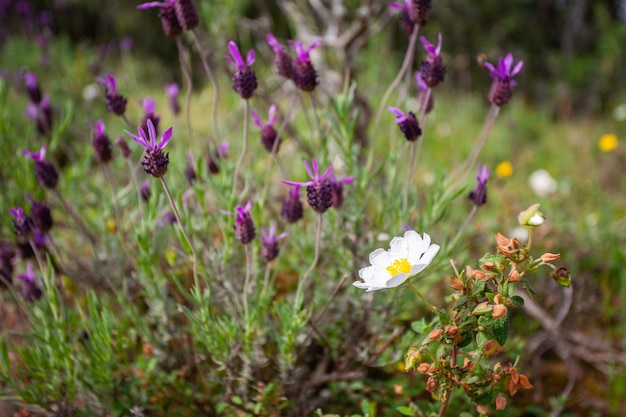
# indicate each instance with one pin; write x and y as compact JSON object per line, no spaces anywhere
{"x":123,"y":145}
{"x":433,"y":71}
{"x":425,"y":97}
{"x":418,"y":11}
{"x":186,"y":14}
{"x":171,"y":91}
{"x":269,"y":241}
{"x":101,"y":143}
{"x":190,"y":170}
{"x":336,"y":189}
{"x":41,"y":215}
{"x":7,"y":253}
{"x":268,"y":133}
{"x":407,"y":123}
{"x":244,"y":226}
{"x":479,"y":194}
{"x":283,"y":61}
{"x":244,"y":79}
{"x":318,"y":190}
{"x":22,"y":223}
{"x":145,"y":191}
{"x":32,"y":87}
{"x":304,"y":75}
{"x":155,"y":162}
{"x":406,"y":23}
{"x":220,"y":153}
{"x":113,"y":100}
{"x":30,"y":289}
{"x":148,"y":108}
{"x":503,"y":82}
{"x":45,"y":172}
{"x":172,"y":27}
{"x":292,"y":209}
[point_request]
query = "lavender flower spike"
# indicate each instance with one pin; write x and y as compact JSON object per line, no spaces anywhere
{"x":269,"y":240}
{"x":318,"y":191}
{"x":244,"y":226}
{"x":405,"y":19}
{"x":244,"y":79}
{"x":268,"y":132}
{"x":304,"y":74}
{"x":479,"y":194}
{"x":503,"y":83}
{"x":282,"y":60}
{"x":433,"y":71}
{"x":31,"y":290}
{"x":45,"y":172}
{"x":407,"y":123}
{"x":155,"y":162}
{"x":114,"y":101}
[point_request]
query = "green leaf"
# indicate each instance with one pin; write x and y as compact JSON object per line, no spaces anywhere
{"x":466,"y":339}
{"x":405,"y":411}
{"x":461,"y":302}
{"x":421,"y":327}
{"x":517,"y":300}
{"x":501,"y":329}
{"x":484,"y":398}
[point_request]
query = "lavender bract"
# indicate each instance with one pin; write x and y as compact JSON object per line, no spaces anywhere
{"x":269,"y":241}
{"x":244,"y":226}
{"x":282,"y":60}
{"x":113,"y":100}
{"x":101,"y":143}
{"x":46,"y":174}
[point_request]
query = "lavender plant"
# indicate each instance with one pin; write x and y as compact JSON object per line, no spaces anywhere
{"x":270,"y":325}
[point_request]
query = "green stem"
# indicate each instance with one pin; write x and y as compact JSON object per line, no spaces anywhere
{"x":216,"y":87}
{"x":302,"y":283}
{"x":244,"y":146}
{"x":189,"y":87}
{"x":246,"y":285}
{"x":182,"y":228}
{"x":462,"y":228}
{"x":408,"y":58}
{"x":421,"y":297}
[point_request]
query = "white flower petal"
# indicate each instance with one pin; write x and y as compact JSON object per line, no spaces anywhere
{"x":396,"y":280}
{"x":428,"y":256}
{"x":379,"y":257}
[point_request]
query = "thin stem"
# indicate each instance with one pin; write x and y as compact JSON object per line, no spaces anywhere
{"x":128,"y":123}
{"x":408,"y":58}
{"x":37,"y":256}
{"x":116,"y":209}
{"x":216,"y":87}
{"x":246,"y":284}
{"x":444,"y":405}
{"x":462,"y":229}
{"x":424,"y":106}
{"x":302,"y":283}
{"x":266,"y":278}
{"x":530,"y":239}
{"x":182,"y":228}
{"x":244,"y":147}
{"x":79,"y":222}
{"x":407,"y":183}
{"x":421,"y":297}
{"x":189,"y":84}
{"x":465,"y":168}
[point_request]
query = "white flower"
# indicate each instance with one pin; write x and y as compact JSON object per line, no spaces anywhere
{"x":407,"y":256}
{"x":542,"y":183}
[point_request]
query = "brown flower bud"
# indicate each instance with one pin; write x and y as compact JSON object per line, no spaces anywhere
{"x":457,"y":284}
{"x":423,"y":368}
{"x":435,"y":334}
{"x":499,"y":311}
{"x":550,"y":257}
{"x":431,"y":385}
{"x":514,"y":276}
{"x":500,"y":402}
{"x":481,"y":409}
{"x":487,"y":266}
{"x":504,"y":250}
{"x":498,"y":299}
{"x":502,"y":240}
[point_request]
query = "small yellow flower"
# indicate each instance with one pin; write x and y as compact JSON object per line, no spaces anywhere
{"x":607,"y":142}
{"x":504,"y":169}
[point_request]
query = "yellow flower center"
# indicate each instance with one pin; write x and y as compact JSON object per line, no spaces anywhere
{"x":401,"y":265}
{"x":504,"y":169}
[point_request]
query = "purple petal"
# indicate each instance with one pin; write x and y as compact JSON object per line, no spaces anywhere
{"x":99,"y":128}
{"x":234,"y":52}
{"x":271,"y":40}
{"x":309,"y":170}
{"x":250,"y":57}
{"x":165,"y":139}
{"x":439,"y":43}
{"x":397,"y":6}
{"x":400,"y":116}
{"x":151,"y":4}
{"x":255,"y":118}
{"x":148,"y":105}
{"x":139,"y":139}
{"x":151,"y":135}
{"x":271,"y":115}
{"x":428,"y":46}
{"x":297,"y":184}
{"x":517,"y":68}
